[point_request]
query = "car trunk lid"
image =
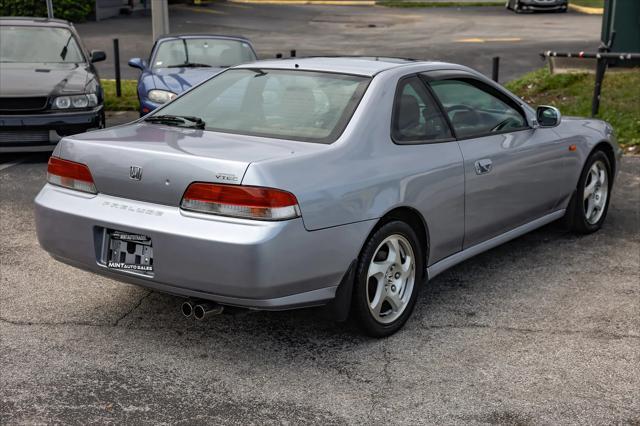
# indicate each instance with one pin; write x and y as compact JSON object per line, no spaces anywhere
{"x":155,"y":163}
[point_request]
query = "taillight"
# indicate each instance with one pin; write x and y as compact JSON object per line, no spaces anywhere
{"x":70,"y":175}
{"x":248,"y":202}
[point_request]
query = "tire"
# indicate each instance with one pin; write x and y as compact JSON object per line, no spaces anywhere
{"x":385,"y":291}
{"x":517,"y":8}
{"x":580,"y":217}
{"x":507,"y":5}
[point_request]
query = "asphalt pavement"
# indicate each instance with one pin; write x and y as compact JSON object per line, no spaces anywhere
{"x":542,"y":330}
{"x":468,"y":35}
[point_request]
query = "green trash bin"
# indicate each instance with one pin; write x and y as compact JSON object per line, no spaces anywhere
{"x":623,"y":18}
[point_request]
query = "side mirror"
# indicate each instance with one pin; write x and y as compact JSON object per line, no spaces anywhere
{"x":98,"y":55}
{"x":547,"y":116}
{"x":137,"y":63}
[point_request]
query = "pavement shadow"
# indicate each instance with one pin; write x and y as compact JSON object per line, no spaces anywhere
{"x":33,"y":157}
{"x":443,"y":300}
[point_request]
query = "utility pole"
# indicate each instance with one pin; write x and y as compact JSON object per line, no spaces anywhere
{"x":49,"y":8}
{"x":159,"y":18}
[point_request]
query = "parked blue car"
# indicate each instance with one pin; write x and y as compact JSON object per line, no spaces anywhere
{"x":179,"y":62}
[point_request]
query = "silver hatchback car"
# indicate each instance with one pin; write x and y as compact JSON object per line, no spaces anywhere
{"x":343,"y":182}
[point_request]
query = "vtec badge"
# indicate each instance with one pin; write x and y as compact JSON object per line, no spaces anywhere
{"x":226,"y":177}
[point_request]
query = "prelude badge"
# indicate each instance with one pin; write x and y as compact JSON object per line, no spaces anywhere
{"x":135,"y":172}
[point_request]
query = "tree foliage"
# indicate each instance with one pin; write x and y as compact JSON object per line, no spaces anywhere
{"x":71,"y":10}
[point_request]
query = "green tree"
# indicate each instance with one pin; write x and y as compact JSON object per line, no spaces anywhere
{"x":71,"y":10}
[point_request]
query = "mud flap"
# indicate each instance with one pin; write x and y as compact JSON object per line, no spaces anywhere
{"x":338,"y":309}
{"x":569,"y":219}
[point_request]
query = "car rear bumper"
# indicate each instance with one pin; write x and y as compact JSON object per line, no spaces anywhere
{"x":22,"y":131}
{"x":533,"y":5}
{"x":254,"y":264}
{"x":542,"y":8}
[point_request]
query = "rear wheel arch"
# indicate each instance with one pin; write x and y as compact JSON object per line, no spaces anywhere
{"x":411,"y":217}
{"x":340,"y":307}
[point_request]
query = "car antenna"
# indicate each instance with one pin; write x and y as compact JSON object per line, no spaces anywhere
{"x":63,"y":52}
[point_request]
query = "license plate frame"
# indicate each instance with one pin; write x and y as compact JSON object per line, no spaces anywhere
{"x":128,"y":252}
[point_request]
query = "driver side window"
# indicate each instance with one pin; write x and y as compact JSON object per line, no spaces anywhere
{"x":416,"y":116}
{"x":474,"y":111}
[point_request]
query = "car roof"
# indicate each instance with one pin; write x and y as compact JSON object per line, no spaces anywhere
{"x":356,"y":65}
{"x":212,"y":36}
{"x":34,"y":22}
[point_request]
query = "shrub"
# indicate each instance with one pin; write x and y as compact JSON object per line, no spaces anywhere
{"x":71,"y":10}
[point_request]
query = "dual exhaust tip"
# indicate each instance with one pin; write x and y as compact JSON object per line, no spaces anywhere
{"x":200,"y":309}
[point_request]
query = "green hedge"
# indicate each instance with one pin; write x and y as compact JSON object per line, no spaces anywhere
{"x":71,"y":10}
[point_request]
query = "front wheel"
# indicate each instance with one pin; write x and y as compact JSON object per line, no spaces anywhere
{"x":588,"y":208}
{"x":517,"y":8}
{"x":390,"y":269}
{"x":103,"y":121}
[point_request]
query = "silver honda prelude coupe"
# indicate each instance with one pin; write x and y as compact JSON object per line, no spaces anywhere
{"x":343,"y":182}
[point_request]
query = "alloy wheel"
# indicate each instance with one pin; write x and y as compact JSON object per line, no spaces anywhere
{"x":390,"y":279}
{"x":596,"y":191}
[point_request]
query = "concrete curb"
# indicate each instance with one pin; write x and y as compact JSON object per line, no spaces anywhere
{"x":587,"y":10}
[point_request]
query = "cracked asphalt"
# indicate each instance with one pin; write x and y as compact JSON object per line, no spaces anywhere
{"x":542,"y":330}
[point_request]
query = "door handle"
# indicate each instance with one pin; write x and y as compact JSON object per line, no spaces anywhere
{"x":483,"y":166}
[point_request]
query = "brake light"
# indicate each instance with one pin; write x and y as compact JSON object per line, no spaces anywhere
{"x":70,"y":175}
{"x":249,"y":202}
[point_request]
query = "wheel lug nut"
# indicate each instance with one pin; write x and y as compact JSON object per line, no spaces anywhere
{"x":393,"y":288}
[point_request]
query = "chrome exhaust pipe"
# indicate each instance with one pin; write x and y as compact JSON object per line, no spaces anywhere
{"x":187,"y":308}
{"x":206,"y":309}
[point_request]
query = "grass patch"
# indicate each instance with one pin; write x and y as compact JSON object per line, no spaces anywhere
{"x":588,"y":3}
{"x":572,"y":94}
{"x":127,"y":102}
{"x":399,"y":3}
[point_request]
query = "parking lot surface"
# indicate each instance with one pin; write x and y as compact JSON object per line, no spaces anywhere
{"x":542,"y":330}
{"x":469,"y":35}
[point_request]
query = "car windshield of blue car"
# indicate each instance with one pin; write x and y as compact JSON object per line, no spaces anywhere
{"x":24,"y":44}
{"x":286,"y":104}
{"x":202,"y":52}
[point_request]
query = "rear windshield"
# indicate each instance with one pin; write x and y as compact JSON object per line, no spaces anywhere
{"x":202,"y":52}
{"x":295,"y":105}
{"x":38,"y":44}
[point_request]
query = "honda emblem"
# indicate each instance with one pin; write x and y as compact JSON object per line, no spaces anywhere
{"x":135,"y":172}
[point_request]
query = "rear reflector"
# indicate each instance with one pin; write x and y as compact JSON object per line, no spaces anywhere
{"x":70,"y":175}
{"x":249,"y":202}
